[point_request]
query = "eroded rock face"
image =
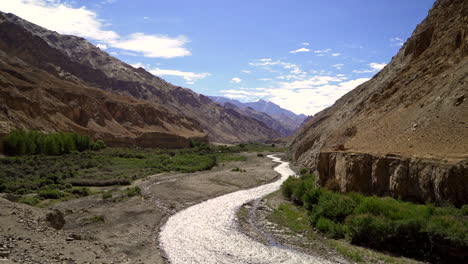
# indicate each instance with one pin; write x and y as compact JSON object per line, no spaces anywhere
{"x":404,"y":132}
{"x":419,"y":180}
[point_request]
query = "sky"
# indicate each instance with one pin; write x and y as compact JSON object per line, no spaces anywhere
{"x":300,"y":54}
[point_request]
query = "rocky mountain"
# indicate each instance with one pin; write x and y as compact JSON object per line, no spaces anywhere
{"x":75,"y":60}
{"x":31,"y":98}
{"x":403,"y":133}
{"x":281,"y":120}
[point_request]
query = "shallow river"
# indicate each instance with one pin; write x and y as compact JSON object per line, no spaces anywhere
{"x":207,"y":232}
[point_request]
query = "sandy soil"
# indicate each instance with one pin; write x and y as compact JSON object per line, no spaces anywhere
{"x":102,"y":231}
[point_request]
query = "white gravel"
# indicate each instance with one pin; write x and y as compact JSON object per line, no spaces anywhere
{"x":207,"y":232}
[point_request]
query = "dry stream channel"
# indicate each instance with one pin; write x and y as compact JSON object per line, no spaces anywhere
{"x":208,"y":233}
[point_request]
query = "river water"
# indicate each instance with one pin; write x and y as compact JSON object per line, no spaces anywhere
{"x":207,"y":232}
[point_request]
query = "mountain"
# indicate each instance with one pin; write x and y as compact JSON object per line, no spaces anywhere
{"x":403,"y":133}
{"x":75,"y":60}
{"x":286,"y":123}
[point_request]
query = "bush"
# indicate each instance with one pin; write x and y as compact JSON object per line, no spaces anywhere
{"x":80,"y":191}
{"x":304,"y":171}
{"x":107,"y":195}
{"x":260,"y":155}
{"x":50,"y":194}
{"x":30,"y":200}
{"x":132,"y":191}
{"x":330,"y":228}
{"x":425,"y":232}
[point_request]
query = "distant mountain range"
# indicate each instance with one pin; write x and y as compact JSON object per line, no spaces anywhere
{"x":51,"y":82}
{"x":281,"y":120}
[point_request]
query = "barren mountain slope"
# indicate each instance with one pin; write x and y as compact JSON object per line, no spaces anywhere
{"x":405,"y":132}
{"x":74,"y":58}
{"x":34,"y":99}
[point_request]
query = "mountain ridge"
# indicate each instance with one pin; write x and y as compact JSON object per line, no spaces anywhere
{"x":75,"y":59}
{"x":285,"y":121}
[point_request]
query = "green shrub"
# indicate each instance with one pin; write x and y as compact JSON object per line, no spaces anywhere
{"x":107,"y":195}
{"x":132,"y":191}
{"x":304,"y":171}
{"x":50,"y":194}
{"x":330,"y":228}
{"x":333,"y":206}
{"x":80,"y":191}
{"x":260,"y":155}
{"x":30,"y":200}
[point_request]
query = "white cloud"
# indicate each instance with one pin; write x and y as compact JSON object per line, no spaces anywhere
{"x":396,"y":41}
{"x":265,"y":79}
{"x":305,"y":43}
{"x":311,"y":101}
{"x":189,"y":77}
{"x":308,"y":99}
{"x":338,"y":66}
{"x":59,"y":16}
{"x":246,"y":71}
{"x":102,"y":46}
{"x":154,"y":46}
{"x":146,"y":18}
{"x":377,"y":66}
{"x":336,"y":54}
{"x":300,"y":50}
{"x":236,"y":80}
{"x":310,"y":82}
{"x":322,"y":51}
{"x":363,"y":71}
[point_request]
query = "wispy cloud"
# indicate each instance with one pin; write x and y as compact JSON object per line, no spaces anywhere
{"x":246,"y":71}
{"x":338,"y":66}
{"x":189,"y":77}
{"x":396,"y":41}
{"x":305,"y":43}
{"x":300,"y":50}
{"x":322,"y":51}
{"x":336,"y":54}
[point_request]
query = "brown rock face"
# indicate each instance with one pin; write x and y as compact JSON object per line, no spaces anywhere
{"x":75,"y":59}
{"x":404,"y":133}
{"x":34,"y":99}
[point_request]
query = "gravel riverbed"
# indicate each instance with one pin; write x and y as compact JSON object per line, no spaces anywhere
{"x":208,"y":233}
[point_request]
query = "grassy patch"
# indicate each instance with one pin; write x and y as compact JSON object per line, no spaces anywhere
{"x":292,"y":217}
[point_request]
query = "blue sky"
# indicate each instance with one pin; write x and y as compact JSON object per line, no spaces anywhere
{"x":302,"y":55}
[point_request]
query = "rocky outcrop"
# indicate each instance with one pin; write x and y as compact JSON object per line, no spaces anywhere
{"x":404,"y":133}
{"x":413,"y":179}
{"x":75,"y":59}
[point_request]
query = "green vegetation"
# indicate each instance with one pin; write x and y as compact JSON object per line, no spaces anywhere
{"x":20,"y":142}
{"x":291,"y":216}
{"x":132,"y":191}
{"x":238,"y":169}
{"x":426,"y":232}
{"x":32,"y":179}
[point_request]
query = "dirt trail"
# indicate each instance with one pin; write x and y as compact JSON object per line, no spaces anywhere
{"x":208,"y":233}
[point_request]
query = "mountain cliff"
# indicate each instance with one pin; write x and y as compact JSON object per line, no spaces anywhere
{"x":403,"y":133}
{"x":74,"y":59}
{"x":281,"y":120}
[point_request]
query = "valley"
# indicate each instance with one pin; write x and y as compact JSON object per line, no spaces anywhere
{"x":317,"y":147}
